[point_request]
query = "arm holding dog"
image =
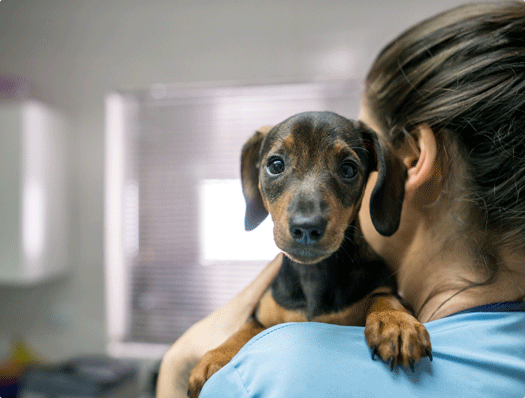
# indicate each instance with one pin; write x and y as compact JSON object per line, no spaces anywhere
{"x":209,"y":333}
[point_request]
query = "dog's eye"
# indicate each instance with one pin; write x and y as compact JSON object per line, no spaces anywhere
{"x":275,"y":166}
{"x":348,"y":170}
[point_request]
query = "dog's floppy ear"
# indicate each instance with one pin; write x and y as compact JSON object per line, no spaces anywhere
{"x":255,"y":210}
{"x":386,"y":200}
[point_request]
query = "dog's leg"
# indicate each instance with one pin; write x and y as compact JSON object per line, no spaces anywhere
{"x":215,"y":359}
{"x":393,"y":333}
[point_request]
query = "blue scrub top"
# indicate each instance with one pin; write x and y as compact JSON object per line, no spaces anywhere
{"x":477,"y":353}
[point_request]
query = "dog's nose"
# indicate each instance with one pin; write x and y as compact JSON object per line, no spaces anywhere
{"x":307,"y":230}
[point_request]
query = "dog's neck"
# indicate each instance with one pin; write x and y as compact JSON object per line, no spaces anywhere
{"x":332,"y":284}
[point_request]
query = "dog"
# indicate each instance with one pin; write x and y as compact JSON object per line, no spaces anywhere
{"x":309,"y":173}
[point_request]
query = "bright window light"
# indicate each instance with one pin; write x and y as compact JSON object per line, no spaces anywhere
{"x":222,"y":234}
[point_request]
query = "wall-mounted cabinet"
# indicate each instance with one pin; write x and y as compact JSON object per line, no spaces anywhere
{"x":33,"y":193}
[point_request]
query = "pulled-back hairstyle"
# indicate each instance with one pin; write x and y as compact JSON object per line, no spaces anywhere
{"x":462,"y":72}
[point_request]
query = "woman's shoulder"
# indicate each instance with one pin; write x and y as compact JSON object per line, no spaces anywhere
{"x":481,"y":353}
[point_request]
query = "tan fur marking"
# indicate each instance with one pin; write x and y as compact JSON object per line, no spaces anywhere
{"x":269,"y":313}
{"x":288,"y":141}
{"x":339,"y":147}
{"x":279,"y":213}
{"x":350,"y":316}
{"x":382,"y":300}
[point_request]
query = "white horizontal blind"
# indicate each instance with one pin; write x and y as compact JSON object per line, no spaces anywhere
{"x":177,"y":139}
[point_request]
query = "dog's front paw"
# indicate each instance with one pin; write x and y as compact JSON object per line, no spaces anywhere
{"x":397,"y":338}
{"x":209,"y":364}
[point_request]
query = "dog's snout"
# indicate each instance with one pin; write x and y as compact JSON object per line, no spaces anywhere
{"x":307,"y":230}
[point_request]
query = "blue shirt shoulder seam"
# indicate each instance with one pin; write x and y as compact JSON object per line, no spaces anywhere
{"x":241,"y":381}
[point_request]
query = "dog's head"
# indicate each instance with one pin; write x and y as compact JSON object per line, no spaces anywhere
{"x":309,"y":173}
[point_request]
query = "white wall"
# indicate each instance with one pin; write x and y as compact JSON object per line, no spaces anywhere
{"x":76,"y":51}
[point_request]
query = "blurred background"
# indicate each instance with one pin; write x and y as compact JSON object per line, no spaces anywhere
{"x":104,"y":77}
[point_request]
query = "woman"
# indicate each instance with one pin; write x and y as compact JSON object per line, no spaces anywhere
{"x":449,"y":95}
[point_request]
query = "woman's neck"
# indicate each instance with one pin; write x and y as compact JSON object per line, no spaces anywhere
{"x":439,"y":279}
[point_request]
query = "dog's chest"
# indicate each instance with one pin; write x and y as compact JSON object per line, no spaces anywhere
{"x":324,"y":288}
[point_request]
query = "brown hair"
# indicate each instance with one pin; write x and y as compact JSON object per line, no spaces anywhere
{"x":463,"y":73}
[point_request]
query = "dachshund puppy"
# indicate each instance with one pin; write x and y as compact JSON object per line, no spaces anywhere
{"x":309,"y":173}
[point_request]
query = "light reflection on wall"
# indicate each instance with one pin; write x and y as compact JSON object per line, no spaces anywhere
{"x":35,"y":162}
{"x":33,"y":219}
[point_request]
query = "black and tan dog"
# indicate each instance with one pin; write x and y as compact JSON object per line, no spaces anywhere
{"x":309,"y":173}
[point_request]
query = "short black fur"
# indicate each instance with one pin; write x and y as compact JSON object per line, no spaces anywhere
{"x":332,"y":284}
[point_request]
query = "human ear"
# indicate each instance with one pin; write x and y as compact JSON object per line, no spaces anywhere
{"x":419,"y":153}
